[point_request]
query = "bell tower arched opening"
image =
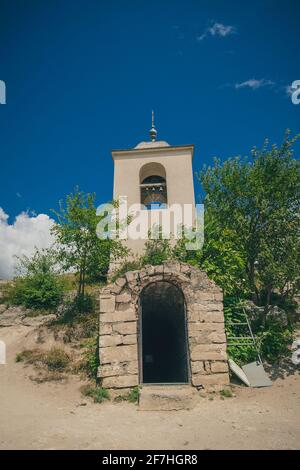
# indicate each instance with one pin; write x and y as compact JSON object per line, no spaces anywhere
{"x":153,"y":186}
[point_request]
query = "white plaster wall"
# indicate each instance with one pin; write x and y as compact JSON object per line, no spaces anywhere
{"x":177,"y":162}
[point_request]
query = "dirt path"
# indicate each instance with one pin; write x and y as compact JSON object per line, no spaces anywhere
{"x":53,"y":416}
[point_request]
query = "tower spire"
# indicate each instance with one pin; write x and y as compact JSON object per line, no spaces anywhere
{"x":153,"y":131}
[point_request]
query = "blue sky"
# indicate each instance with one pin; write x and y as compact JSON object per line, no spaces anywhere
{"x":83,"y":76}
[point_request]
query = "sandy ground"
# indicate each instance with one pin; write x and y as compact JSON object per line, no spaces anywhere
{"x":55,"y":416}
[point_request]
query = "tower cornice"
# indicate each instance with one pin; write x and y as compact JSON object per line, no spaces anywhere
{"x":152,"y":150}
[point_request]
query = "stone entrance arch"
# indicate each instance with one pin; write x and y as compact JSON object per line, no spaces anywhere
{"x":119,"y":336}
{"x":163,"y":351}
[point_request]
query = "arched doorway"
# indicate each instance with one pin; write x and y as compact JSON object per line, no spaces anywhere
{"x":163,"y":335}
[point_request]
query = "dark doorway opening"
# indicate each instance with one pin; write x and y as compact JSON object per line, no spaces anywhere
{"x":164,"y":348}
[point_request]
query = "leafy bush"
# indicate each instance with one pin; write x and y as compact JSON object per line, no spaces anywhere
{"x":84,"y":303}
{"x":39,"y":285}
{"x":274,"y":340}
{"x":36,"y":291}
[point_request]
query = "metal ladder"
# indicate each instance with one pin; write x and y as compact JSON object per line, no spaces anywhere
{"x":243,"y":340}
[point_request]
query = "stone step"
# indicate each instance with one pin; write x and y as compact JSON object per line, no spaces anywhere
{"x":167,"y":397}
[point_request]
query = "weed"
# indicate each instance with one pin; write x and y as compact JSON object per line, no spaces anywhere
{"x":98,"y":394}
{"x":226,"y":393}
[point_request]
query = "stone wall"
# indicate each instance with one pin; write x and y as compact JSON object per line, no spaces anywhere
{"x":119,"y":326}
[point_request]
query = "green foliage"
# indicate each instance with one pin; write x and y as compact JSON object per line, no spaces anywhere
{"x":220,"y":257}
{"x":98,"y":394}
{"x":254,"y":202}
{"x":133,"y":395}
{"x":274,"y":340}
{"x":91,"y":356}
{"x":39,"y":286}
{"x":273,"y":334}
{"x":226,"y":393}
{"x":156,"y":251}
{"x":84,"y":303}
{"x":233,"y":312}
{"x":127,"y":266}
{"x":79,"y":248}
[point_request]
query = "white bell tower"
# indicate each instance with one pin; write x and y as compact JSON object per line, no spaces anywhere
{"x":157,"y":175}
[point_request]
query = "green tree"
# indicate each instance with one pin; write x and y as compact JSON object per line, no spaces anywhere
{"x":255,"y":203}
{"x":79,"y":248}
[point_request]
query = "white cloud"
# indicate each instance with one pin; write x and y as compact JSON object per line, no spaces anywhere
{"x":217,"y":29}
{"x":254,"y":84}
{"x":21,"y":237}
{"x":289,"y":90}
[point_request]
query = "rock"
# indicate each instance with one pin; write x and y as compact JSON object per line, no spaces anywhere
{"x":12,"y":316}
{"x":38,"y":320}
{"x":3,"y":307}
{"x":167,"y":398}
{"x":121,"y":281}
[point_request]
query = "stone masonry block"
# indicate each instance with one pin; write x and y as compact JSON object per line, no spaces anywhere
{"x":105,"y":329}
{"x":130,"y":339}
{"x":122,"y":381}
{"x":127,"y":328}
{"x":209,"y":352}
{"x":212,"y":317}
{"x":196,"y":328}
{"x":110,"y":340}
{"x":118,"y":354}
{"x":197,"y":367}
{"x":121,"y":281}
{"x":124,"y":298}
{"x":119,"y":316}
{"x":209,"y":381}
{"x":219,"y":366}
{"x":124,"y":368}
{"x":107,"y":303}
